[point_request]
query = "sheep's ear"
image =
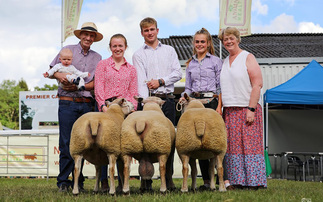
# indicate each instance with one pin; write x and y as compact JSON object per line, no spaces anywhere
{"x":161,"y":102}
{"x":139,"y":99}
{"x":121,"y":101}
{"x":186,"y":97}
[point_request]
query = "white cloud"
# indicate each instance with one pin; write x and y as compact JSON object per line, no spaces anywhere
{"x":31,"y":29}
{"x":281,"y":24}
{"x":290,"y":2}
{"x":309,"y":27}
{"x":259,"y":8}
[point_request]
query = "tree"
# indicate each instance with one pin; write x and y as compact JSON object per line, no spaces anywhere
{"x":27,"y":115}
{"x":9,"y":102}
{"x":46,"y":87}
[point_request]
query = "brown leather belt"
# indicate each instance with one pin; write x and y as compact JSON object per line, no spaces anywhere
{"x":163,"y":95}
{"x":75,"y":99}
{"x":204,"y":95}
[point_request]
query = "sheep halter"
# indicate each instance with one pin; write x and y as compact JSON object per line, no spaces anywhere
{"x":179,"y":105}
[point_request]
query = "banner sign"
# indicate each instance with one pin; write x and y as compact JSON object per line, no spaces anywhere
{"x":236,"y":13}
{"x":71,"y":13}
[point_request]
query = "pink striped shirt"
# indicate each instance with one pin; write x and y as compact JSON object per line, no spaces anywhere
{"x":110,"y":82}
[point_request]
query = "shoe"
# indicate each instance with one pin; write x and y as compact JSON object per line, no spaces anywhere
{"x":230,"y":187}
{"x":105,"y":186}
{"x":203,"y":188}
{"x":63,"y":188}
{"x":81,"y":189}
{"x":76,"y":81}
{"x":82,"y":88}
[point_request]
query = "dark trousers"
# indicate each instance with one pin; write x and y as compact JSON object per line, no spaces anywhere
{"x":68,"y":113}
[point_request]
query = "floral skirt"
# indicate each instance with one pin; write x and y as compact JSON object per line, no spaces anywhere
{"x":244,"y":159}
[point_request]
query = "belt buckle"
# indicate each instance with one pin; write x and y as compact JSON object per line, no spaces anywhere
{"x":196,"y":94}
{"x":208,"y":95}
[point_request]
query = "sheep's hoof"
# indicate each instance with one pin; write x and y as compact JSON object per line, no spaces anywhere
{"x":223,"y":190}
{"x":95,"y":192}
{"x":193,"y":190}
{"x":171,"y":189}
{"x":127,"y":193}
{"x":163,"y":192}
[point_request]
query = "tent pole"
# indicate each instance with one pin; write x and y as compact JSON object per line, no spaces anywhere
{"x":266,"y":126}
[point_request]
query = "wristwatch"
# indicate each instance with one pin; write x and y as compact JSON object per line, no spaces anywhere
{"x":252,"y":109}
{"x":160,"y":82}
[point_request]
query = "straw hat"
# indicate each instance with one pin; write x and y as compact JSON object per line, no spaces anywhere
{"x":89,"y":27}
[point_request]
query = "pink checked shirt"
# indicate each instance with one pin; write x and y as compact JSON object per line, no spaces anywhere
{"x":110,"y":82}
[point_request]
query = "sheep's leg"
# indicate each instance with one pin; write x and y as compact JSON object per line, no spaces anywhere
{"x":192,"y":163}
{"x":185,"y":159}
{"x":211,"y":173}
{"x":112,"y":164}
{"x":162,"y":169}
{"x":219,"y":168}
{"x":126,"y":173}
{"x":77,"y":171}
{"x":97,"y":179}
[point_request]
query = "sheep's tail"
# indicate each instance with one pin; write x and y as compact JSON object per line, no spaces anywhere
{"x":140,"y":126}
{"x":199,"y":128}
{"x":94,"y":127}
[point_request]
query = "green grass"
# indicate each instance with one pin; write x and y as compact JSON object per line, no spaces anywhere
{"x":21,"y":189}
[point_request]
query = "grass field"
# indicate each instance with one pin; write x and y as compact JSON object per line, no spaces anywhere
{"x":21,"y":189}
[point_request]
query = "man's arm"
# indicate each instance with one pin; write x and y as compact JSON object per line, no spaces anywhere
{"x":176,"y":73}
{"x":141,"y":75}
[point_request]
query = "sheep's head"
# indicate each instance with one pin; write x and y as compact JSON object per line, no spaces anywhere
{"x":153,"y":103}
{"x":190,"y":102}
{"x":126,"y":106}
{"x":151,"y":99}
{"x":154,"y":99}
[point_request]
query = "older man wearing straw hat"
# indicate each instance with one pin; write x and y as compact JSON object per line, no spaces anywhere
{"x":74,"y":103}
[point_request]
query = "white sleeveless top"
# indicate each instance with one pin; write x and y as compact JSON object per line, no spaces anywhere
{"x":235,"y":82}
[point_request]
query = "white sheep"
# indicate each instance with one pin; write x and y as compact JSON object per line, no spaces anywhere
{"x":95,"y":137}
{"x":149,"y":137}
{"x":201,"y":134}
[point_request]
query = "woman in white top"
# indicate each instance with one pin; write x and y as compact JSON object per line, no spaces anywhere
{"x":241,"y":83}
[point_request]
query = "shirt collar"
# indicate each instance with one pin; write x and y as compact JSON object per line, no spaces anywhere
{"x":81,"y":49}
{"x":149,"y":47}
{"x":207,"y":55}
{"x":113,"y":63}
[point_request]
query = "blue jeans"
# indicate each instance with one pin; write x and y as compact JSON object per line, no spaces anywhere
{"x":68,"y":113}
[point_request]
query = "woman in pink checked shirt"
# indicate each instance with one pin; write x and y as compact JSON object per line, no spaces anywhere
{"x":114,"y":78}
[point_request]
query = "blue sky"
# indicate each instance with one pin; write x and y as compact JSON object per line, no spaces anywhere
{"x":31,"y":29}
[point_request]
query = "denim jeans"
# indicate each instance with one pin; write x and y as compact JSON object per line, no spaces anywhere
{"x":68,"y":113}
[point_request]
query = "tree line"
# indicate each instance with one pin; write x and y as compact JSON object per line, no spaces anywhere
{"x":9,"y":101}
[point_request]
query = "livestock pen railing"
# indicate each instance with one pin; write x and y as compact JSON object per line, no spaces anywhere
{"x":25,"y":152}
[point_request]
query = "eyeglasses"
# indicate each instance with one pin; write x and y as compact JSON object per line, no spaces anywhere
{"x":202,"y":41}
